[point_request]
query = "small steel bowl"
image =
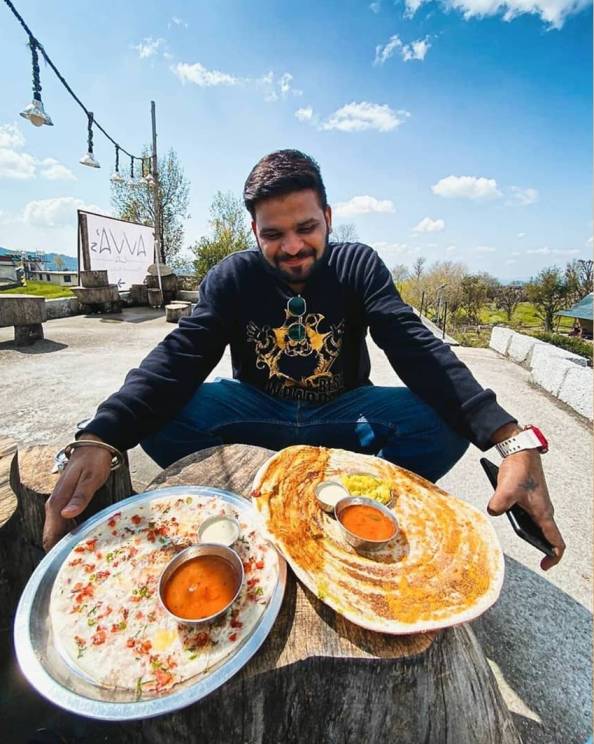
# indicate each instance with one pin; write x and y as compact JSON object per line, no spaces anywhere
{"x":360,"y":543}
{"x":193,"y":552}
{"x":219,"y":518}
{"x":326,"y":506}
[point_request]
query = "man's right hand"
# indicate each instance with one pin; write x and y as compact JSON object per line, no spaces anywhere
{"x":86,"y":471}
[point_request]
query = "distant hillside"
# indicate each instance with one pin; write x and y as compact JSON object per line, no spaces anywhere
{"x":70,"y":262}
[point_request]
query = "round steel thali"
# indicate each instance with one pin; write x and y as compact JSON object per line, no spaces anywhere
{"x":46,"y":669}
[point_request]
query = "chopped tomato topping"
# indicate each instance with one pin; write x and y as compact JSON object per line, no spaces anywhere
{"x":247,"y":566}
{"x":89,"y":567}
{"x":99,"y":637}
{"x":163,"y":677}
{"x":236,"y":624}
{"x":233,"y":637}
{"x":130,"y":642}
{"x":259,"y":564}
{"x":136,"y":519}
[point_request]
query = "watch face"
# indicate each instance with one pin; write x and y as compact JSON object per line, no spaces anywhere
{"x":541,"y":438}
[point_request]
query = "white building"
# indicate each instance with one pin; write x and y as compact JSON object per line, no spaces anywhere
{"x":56,"y":277}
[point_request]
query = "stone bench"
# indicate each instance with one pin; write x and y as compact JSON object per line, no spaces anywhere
{"x":26,"y":314}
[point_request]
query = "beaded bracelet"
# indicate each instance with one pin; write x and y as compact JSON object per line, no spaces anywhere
{"x":117,"y":458}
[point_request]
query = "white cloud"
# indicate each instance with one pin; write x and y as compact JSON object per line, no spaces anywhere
{"x":148,"y":47}
{"x":176,"y":21}
{"x":11,"y":137}
{"x":510,"y":261}
{"x":485,"y":249}
{"x":589,"y":241}
{"x":375,"y":7}
{"x":304,"y":114}
{"x":416,"y":50}
{"x":467,"y":187}
{"x":18,"y":166}
{"x":451,"y":249}
{"x":552,"y":12}
{"x":358,"y":117}
{"x":523,"y":197}
{"x":274,"y":86}
{"x":363,"y":205}
{"x":427,"y":225}
{"x":55,"y":212}
{"x":521,"y":235}
{"x":199,"y":75}
{"x":546,"y":251}
{"x":53,"y":170}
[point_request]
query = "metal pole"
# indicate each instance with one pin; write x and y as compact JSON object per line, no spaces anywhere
{"x":422,"y":301}
{"x":156,"y":201}
{"x":445,"y":317}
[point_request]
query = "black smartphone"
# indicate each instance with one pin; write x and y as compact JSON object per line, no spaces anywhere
{"x":521,"y":521}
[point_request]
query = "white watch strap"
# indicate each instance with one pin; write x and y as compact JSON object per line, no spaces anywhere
{"x":524,"y":440}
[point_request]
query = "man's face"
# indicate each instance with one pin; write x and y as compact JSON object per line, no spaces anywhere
{"x":292,"y":232}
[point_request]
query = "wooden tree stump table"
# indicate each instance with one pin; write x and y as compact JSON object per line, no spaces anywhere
{"x":21,"y":524}
{"x":27,"y":314}
{"x":319,"y":678}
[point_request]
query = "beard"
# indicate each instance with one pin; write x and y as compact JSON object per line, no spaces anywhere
{"x":296,"y":274}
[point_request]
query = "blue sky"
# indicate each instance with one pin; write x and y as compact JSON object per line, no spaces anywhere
{"x":455,"y":130}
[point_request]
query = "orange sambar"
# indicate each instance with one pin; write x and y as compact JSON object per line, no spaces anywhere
{"x":367,"y":522}
{"x":200,"y":587}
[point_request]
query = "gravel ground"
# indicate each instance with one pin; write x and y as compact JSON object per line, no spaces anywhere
{"x":537,"y":637}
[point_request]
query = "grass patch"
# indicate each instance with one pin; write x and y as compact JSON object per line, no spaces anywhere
{"x":40,"y":289}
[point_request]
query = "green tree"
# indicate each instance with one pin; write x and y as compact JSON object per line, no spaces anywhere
{"x":135,"y":202}
{"x":230,"y":232}
{"x":548,"y":292}
{"x":475,"y":293}
{"x":59,"y":263}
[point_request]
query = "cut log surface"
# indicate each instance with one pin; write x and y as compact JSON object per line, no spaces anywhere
{"x":319,"y":678}
{"x":168,"y":282}
{"x":21,"y":310}
{"x":21,"y":549}
{"x":97,"y":295}
{"x":96,"y":278}
{"x":174,"y":312}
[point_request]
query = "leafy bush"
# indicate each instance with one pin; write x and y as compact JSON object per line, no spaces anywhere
{"x":582,"y":348}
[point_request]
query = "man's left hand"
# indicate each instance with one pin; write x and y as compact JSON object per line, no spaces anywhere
{"x":521,"y":481}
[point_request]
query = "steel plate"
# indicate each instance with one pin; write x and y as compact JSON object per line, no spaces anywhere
{"x":44,"y":667}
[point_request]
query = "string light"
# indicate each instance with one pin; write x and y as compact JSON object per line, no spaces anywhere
{"x":116,"y":177}
{"x":88,"y":158}
{"x":34,"y":111}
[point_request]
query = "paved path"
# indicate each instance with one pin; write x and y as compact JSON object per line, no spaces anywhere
{"x":537,"y":637}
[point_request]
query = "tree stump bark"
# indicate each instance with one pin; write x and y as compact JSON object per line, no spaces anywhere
{"x":25,"y":335}
{"x":139,"y":294}
{"x":168,"y":282}
{"x":319,"y":678}
{"x":174,"y":312}
{"x":90,"y":279}
{"x":21,"y":532}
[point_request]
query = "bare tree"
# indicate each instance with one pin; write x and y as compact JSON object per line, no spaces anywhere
{"x":400,"y":275}
{"x":346,"y":233}
{"x":134,"y":202}
{"x":578,"y":277}
{"x":418,"y":268}
{"x":508,"y":298}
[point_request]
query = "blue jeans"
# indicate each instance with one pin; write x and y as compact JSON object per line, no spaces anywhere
{"x":389,"y":422}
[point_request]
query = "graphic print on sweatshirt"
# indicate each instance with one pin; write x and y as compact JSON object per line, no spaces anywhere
{"x":299,"y":369}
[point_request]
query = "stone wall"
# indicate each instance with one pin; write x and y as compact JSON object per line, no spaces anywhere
{"x":561,"y":373}
{"x":62,"y":307}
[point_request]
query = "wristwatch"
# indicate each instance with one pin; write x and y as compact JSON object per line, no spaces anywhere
{"x":530,"y":438}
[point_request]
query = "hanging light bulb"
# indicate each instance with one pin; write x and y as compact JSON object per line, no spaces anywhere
{"x":133,"y":181}
{"x":34,"y":111}
{"x":149,"y":179}
{"x":116,"y":177}
{"x":88,"y":158}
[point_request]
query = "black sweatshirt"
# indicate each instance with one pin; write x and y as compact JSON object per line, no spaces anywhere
{"x":243,"y":303}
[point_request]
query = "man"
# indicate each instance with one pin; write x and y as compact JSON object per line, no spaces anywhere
{"x":295,"y":312}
